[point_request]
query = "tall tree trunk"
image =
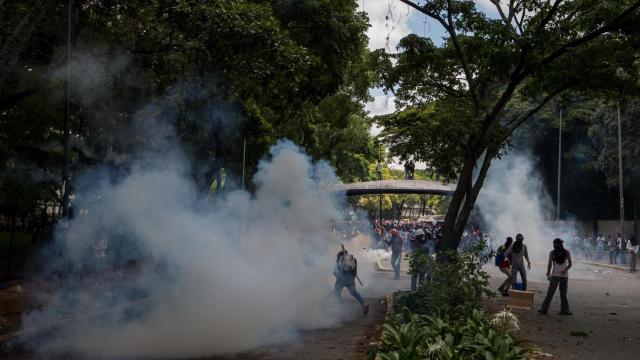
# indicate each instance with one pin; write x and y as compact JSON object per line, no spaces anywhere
{"x":449,"y":238}
{"x":463,"y":200}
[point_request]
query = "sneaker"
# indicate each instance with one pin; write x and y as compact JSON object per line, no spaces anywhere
{"x":365,"y":309}
{"x":505,"y":293}
{"x":565,"y":313}
{"x":542,"y":312}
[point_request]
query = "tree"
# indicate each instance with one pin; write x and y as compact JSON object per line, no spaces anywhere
{"x":603,"y":132}
{"x":217,"y":71}
{"x":535,"y":50}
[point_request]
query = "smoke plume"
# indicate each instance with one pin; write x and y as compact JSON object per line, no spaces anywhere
{"x":514,"y":200}
{"x":238,"y":272}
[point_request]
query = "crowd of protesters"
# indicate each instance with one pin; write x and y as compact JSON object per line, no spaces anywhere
{"x":618,"y":249}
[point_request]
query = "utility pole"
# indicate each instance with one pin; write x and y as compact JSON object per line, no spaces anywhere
{"x":65,"y":138}
{"x":380,"y":196}
{"x":559,"y":166}
{"x":620,"y":173}
{"x":244,"y":152}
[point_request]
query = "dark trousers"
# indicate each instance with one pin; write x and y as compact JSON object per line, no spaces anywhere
{"x":396,"y":257}
{"x":622,"y":256}
{"x":416,"y":279}
{"x":612,"y":256}
{"x":350,"y":284}
{"x":632,"y":261}
{"x":553,"y":284}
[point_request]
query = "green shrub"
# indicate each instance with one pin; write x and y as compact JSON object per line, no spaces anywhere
{"x":409,"y":336}
{"x":444,"y":318}
{"x":454,"y":287}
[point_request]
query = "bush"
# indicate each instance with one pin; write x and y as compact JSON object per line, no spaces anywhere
{"x":453,"y":288}
{"x":411,"y":336}
{"x":444,"y":318}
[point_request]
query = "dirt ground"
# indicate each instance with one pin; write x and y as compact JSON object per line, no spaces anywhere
{"x":351,"y":339}
{"x":606,"y":314}
{"x":605,"y":324}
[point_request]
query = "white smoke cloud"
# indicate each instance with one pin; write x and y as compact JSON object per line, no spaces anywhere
{"x":217,"y":278}
{"x":514,"y":200}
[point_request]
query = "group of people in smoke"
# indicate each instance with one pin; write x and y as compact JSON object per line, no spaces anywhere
{"x":622,"y":248}
{"x":510,"y":259}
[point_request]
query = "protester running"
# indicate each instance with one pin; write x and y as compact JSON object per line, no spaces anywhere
{"x":346,"y":272}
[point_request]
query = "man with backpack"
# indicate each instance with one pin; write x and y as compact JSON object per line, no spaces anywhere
{"x":346,"y":272}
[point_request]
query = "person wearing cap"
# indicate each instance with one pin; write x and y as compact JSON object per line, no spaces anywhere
{"x":419,"y":248}
{"x":395,"y":241}
{"x":558,"y":274}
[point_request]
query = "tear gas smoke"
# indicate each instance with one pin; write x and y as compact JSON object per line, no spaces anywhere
{"x":514,"y":200}
{"x":239,"y":272}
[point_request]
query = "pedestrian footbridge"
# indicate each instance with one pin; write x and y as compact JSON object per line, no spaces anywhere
{"x":395,"y":187}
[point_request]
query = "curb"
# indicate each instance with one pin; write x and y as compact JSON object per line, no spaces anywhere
{"x":389,"y":300}
{"x":611,"y":266}
{"x":390,"y":303}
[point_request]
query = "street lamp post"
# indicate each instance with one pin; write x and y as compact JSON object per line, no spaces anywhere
{"x":559,"y":166}
{"x":380,"y":196}
{"x":65,"y":138}
{"x":621,"y":184}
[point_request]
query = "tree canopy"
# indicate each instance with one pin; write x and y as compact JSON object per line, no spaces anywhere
{"x":454,"y":98}
{"x":217,"y":72}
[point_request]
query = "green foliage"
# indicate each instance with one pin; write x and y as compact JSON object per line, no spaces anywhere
{"x":452,"y":96}
{"x":420,"y":262}
{"x":444,"y":320}
{"x":410,"y":336}
{"x":217,"y":71}
{"x":453,"y":288}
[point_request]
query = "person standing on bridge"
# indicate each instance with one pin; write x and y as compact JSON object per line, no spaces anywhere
{"x":379,"y":170}
{"x":395,"y":241}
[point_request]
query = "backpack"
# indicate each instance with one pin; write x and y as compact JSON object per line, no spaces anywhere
{"x":499,"y":256}
{"x":347,"y":263}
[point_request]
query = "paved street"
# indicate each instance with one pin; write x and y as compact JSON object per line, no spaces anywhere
{"x":606,"y":314}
